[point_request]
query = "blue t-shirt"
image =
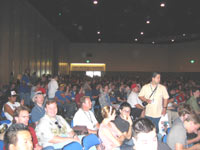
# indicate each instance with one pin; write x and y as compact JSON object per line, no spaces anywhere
{"x":37,"y":113}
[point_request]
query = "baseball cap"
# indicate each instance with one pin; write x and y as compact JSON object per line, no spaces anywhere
{"x":133,"y":85}
{"x":36,"y":93}
{"x":12,"y":93}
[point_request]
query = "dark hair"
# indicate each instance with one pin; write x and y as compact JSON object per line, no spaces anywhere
{"x":184,"y":109}
{"x":10,"y":136}
{"x":194,"y":89}
{"x":18,"y":110}
{"x":193,"y":117}
{"x":124,"y":104}
{"x":142,"y":125}
{"x":82,"y":99}
{"x":155,"y":74}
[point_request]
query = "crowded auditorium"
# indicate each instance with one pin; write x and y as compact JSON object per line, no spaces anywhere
{"x":99,"y":75}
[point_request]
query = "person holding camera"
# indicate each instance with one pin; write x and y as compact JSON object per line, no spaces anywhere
{"x":155,"y":97}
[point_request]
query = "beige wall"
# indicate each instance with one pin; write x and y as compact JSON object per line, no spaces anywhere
{"x":140,"y":57}
{"x":27,"y":40}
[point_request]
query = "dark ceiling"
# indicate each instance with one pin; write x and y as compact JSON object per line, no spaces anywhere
{"x":122,"y":21}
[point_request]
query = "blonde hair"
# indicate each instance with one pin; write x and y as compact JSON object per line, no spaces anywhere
{"x":106,"y":110}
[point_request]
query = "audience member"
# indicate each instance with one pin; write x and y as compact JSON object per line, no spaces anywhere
{"x":53,"y":130}
{"x":144,"y":136}
{"x":11,"y":105}
{"x":18,"y":137}
{"x":188,"y":121}
{"x":193,"y":100}
{"x":110,"y":135}
{"x":85,"y":117}
{"x":104,"y":98}
{"x":52,"y":87}
{"x":135,"y":102}
{"x":21,"y":115}
{"x":38,"y":110}
{"x":124,"y":123}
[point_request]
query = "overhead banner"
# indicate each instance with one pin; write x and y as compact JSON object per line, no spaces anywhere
{"x":87,"y":67}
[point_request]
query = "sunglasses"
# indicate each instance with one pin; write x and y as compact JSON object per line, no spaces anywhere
{"x":57,"y":124}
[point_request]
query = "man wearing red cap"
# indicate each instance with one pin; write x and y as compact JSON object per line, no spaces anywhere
{"x":135,"y":102}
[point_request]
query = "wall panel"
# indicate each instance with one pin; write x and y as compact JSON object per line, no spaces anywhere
{"x":27,"y":40}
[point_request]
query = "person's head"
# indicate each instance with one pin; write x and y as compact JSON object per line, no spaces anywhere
{"x":21,"y":115}
{"x":51,"y":108}
{"x":184,"y":110}
{"x":12,"y":96}
{"x":38,"y":98}
{"x":108,"y":112}
{"x":106,"y":88}
{"x":135,"y":88}
{"x":86,"y":103}
{"x":195,"y":92}
{"x":18,"y":137}
{"x":125,"y":109}
{"x":144,"y":135}
{"x":55,"y":77}
{"x":192,"y":123}
{"x":62,"y":87}
{"x":156,"y":78}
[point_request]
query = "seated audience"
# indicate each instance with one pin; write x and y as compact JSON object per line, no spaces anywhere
{"x":193,"y":100}
{"x":124,"y":123}
{"x":11,"y":105}
{"x":85,"y":117}
{"x":18,"y":137}
{"x":65,"y":106}
{"x":53,"y":130}
{"x":21,"y":115}
{"x":135,"y":102}
{"x":78,"y":96}
{"x":110,"y":135}
{"x":188,"y":121}
{"x":38,"y":110}
{"x":144,"y":136}
{"x":104,"y":98}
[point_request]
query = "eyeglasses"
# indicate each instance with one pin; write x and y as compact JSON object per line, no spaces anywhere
{"x":58,"y":124}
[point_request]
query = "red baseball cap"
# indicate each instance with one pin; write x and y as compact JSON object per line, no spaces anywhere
{"x":133,"y":85}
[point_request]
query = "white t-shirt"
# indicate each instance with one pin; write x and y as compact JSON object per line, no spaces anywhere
{"x":52,"y":88}
{"x":13,"y":107}
{"x":133,"y":99}
{"x":85,"y":118}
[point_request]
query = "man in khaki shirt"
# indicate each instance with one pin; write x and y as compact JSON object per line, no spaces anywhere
{"x":156,"y":96}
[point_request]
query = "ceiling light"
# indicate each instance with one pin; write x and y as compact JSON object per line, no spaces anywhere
{"x":148,"y":22}
{"x":95,"y":2}
{"x":172,"y":40}
{"x":99,"y":40}
{"x":184,"y":34}
{"x":98,"y":32}
{"x":153,"y":42}
{"x":162,"y":4}
{"x":141,"y":33}
{"x":135,"y":39}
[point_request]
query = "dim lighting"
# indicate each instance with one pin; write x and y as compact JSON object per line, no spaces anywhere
{"x":59,"y":14}
{"x":184,"y":34}
{"x":153,"y":42}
